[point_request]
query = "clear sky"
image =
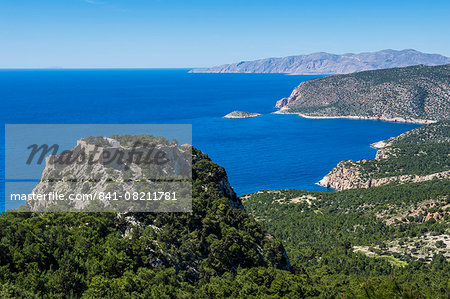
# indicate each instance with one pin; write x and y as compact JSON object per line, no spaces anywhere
{"x":195,"y":33}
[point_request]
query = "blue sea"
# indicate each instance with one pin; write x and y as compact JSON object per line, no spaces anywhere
{"x":267,"y":152}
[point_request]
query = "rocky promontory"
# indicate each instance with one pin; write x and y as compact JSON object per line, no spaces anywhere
{"x":416,"y":94}
{"x":347,"y":175}
{"x":117,"y":167}
{"x":241,"y":114}
{"x":416,"y":156}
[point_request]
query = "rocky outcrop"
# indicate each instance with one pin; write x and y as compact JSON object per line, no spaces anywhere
{"x":412,"y":94}
{"x":106,"y":167}
{"x":328,"y":64}
{"x":344,"y":177}
{"x":283,"y":103}
{"x":241,"y":114}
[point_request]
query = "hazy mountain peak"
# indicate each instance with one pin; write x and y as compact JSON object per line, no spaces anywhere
{"x":328,"y":63}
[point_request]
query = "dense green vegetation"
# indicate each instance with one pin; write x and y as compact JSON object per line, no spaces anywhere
{"x":319,"y":231}
{"x":384,"y":242}
{"x":215,"y":250}
{"x":438,"y":132}
{"x":409,"y":159}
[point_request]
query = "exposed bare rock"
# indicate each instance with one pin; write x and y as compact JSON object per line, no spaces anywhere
{"x":345,"y":177}
{"x":104,"y":166}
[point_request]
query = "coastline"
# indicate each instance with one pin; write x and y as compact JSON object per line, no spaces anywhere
{"x":395,"y":119}
{"x":379,"y":144}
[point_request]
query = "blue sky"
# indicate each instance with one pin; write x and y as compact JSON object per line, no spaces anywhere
{"x":191,"y":33}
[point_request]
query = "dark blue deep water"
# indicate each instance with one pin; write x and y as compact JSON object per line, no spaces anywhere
{"x":267,"y":152}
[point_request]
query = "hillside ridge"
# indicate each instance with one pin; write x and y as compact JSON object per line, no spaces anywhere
{"x":322,"y":63}
{"x":418,"y":94}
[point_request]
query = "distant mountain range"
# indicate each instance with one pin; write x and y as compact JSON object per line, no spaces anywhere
{"x":327,"y":64}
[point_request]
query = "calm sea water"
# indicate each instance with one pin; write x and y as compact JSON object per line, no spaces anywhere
{"x":267,"y":152}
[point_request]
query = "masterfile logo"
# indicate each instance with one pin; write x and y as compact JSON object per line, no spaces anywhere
{"x":98,"y":168}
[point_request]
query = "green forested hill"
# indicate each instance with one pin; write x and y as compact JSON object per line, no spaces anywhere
{"x":411,"y":93}
{"x":216,"y":250}
{"x":378,"y":237}
{"x":438,"y":132}
{"x":384,"y":242}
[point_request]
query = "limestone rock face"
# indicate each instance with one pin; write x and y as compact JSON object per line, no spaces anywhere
{"x":110,"y":168}
{"x":344,"y":177}
{"x":283,"y":102}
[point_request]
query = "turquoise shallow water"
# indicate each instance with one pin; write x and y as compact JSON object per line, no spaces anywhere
{"x":267,"y":152}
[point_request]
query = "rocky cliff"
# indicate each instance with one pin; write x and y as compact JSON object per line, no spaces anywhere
{"x":415,"y":94}
{"x":416,"y":156}
{"x":347,"y":175}
{"x":328,"y":64}
{"x":114,"y":168}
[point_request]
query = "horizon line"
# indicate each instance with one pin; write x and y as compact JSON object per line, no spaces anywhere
{"x":97,"y":68}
